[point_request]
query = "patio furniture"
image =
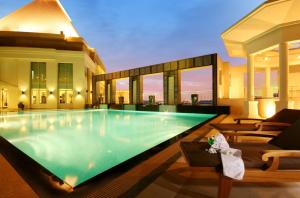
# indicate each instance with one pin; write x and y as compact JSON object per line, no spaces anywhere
{"x":271,"y":126}
{"x":275,"y":161}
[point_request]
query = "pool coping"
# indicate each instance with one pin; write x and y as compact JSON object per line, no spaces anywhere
{"x":124,"y":185}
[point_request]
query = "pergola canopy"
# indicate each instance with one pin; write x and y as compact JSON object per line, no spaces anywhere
{"x":265,"y":18}
{"x":40,"y":16}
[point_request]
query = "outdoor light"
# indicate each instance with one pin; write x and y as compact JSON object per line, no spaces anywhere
{"x":78,"y":92}
{"x":23,"y":92}
{"x":51,"y":92}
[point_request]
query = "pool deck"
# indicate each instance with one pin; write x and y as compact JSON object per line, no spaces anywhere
{"x":155,"y":176}
{"x":11,"y":183}
{"x":171,"y":185}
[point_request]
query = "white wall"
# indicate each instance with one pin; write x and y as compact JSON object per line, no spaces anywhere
{"x":236,"y":84}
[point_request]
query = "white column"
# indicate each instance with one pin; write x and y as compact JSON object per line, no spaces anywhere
{"x":283,"y":78}
{"x":268,"y":91}
{"x":250,"y":76}
{"x":251,"y":106}
{"x":283,"y":72}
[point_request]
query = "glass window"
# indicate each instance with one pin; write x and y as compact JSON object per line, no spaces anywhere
{"x":38,"y":83}
{"x":65,"y":96}
{"x":65,"y":83}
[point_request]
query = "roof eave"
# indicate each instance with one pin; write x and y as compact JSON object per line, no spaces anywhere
{"x":261,"y":6}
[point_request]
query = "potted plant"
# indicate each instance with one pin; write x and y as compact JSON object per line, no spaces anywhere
{"x":21,"y":106}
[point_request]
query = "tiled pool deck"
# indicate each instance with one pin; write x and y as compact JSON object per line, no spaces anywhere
{"x":167,"y":184}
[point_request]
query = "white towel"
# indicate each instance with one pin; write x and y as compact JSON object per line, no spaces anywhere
{"x":233,"y":164}
{"x":219,"y":144}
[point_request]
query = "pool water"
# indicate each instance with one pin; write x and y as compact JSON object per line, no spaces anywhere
{"x":78,"y":145}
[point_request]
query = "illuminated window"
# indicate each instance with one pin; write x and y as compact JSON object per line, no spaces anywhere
{"x":65,"y":83}
{"x":38,"y":83}
{"x":3,"y":98}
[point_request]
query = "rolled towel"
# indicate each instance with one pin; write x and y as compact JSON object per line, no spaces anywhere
{"x":219,"y":143}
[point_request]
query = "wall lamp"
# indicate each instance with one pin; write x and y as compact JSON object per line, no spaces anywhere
{"x":78,"y":92}
{"x":23,"y":92}
{"x":51,"y":92}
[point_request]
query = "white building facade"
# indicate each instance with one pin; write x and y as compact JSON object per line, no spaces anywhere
{"x":268,"y":38}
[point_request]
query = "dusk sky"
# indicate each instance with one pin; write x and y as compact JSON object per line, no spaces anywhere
{"x":135,"y":33}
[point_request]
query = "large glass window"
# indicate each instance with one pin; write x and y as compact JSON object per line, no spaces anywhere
{"x":65,"y":83}
{"x":38,"y":83}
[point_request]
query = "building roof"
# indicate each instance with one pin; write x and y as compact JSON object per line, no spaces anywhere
{"x":265,"y":18}
{"x":40,"y":16}
{"x":43,"y":24}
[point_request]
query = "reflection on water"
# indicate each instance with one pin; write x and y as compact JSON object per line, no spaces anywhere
{"x":77,"y":145}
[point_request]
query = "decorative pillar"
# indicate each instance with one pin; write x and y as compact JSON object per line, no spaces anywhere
{"x":89,"y":97}
{"x":136,"y":90}
{"x":110,"y":91}
{"x":172,"y":87}
{"x":94,"y":88}
{"x":284,"y":78}
{"x":251,"y":106}
{"x":250,"y":77}
{"x":268,"y":91}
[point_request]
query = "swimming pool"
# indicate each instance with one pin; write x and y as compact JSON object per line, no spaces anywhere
{"x":78,"y":145}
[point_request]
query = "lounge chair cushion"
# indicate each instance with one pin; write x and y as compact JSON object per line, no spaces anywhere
{"x":251,"y":153}
{"x":234,"y":127}
{"x":252,"y":156}
{"x":286,"y":115}
{"x":289,"y":138}
{"x":223,"y":127}
{"x":196,"y":155}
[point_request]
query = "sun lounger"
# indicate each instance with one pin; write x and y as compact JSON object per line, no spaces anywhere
{"x":278,"y":122}
{"x":275,"y":161}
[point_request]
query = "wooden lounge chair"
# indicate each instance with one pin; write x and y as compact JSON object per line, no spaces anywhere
{"x":275,"y":124}
{"x":275,"y":161}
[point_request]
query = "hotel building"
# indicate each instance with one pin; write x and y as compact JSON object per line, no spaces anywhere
{"x":44,"y":63}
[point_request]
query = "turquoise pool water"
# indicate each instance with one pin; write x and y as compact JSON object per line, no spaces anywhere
{"x":78,"y":145}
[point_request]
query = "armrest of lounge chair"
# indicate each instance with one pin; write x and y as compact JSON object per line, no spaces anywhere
{"x":264,"y":134}
{"x":273,"y":157}
{"x":272,"y":124}
{"x":238,"y":120}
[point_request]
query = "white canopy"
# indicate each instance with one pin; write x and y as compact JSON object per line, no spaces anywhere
{"x":267,"y":16}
